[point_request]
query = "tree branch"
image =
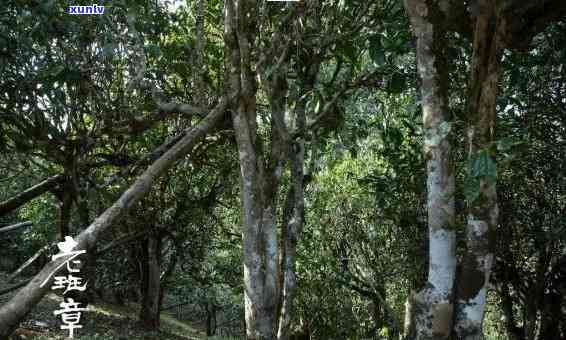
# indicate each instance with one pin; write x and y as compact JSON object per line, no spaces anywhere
{"x":120,"y":241}
{"x":14,"y":287}
{"x":28,"y":194}
{"x":29,"y":261}
{"x":15,"y":226}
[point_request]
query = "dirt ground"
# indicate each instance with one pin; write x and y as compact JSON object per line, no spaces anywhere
{"x":100,"y":321}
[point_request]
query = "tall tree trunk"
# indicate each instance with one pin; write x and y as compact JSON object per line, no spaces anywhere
{"x":482,"y":207}
{"x":210,"y":318}
{"x":293,"y":221}
{"x":142,"y":259}
{"x":513,"y":331}
{"x":550,"y":323}
{"x":290,"y":235}
{"x":294,"y":206}
{"x":12,"y":312}
{"x":151,"y":289}
{"x":433,"y":305}
{"x":259,"y":177}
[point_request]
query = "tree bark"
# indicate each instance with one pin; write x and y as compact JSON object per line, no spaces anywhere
{"x":65,"y":210}
{"x":210,"y":318}
{"x":293,"y":221}
{"x":14,"y":287}
{"x":20,"y":305}
{"x":550,"y":323}
{"x":29,"y":262}
{"x":28,"y":194}
{"x":482,"y":216}
{"x":151,"y":290}
{"x":258,"y":182}
{"x":433,"y":305}
{"x":513,"y":331}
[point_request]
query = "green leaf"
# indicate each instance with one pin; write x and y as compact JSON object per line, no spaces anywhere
{"x":376,"y":51}
{"x":484,"y":167}
{"x":57,"y":70}
{"x":504,"y":144}
{"x":268,"y":71}
{"x":153,"y":50}
{"x":348,"y":50}
{"x":108,"y":50}
{"x":396,"y":83}
{"x":471,"y":188}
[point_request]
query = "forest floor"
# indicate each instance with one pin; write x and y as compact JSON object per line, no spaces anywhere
{"x":101,"y":321}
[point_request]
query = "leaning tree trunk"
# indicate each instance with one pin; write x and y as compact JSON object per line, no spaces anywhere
{"x":473,"y":278}
{"x":433,"y":305}
{"x":21,"y":304}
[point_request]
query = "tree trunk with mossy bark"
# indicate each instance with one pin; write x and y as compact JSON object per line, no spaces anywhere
{"x":482,"y":212}
{"x":433,"y":305}
{"x":493,"y":26}
{"x":259,"y":175}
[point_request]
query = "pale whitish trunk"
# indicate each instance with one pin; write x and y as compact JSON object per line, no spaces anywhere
{"x":433,"y":305}
{"x":259,"y":235}
{"x":482,"y":217}
{"x":271,"y":290}
{"x":472,"y":283}
{"x":260,"y":264}
{"x":12,"y":312}
{"x":261,"y":167}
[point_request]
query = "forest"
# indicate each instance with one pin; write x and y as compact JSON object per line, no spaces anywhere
{"x":283,"y":170}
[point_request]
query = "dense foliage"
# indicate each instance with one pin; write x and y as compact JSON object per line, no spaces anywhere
{"x":338,"y":98}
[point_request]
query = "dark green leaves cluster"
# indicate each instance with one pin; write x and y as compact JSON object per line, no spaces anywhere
{"x":482,"y":168}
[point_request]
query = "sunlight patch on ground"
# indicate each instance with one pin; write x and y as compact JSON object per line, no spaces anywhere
{"x":168,"y":322}
{"x":180,"y":328}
